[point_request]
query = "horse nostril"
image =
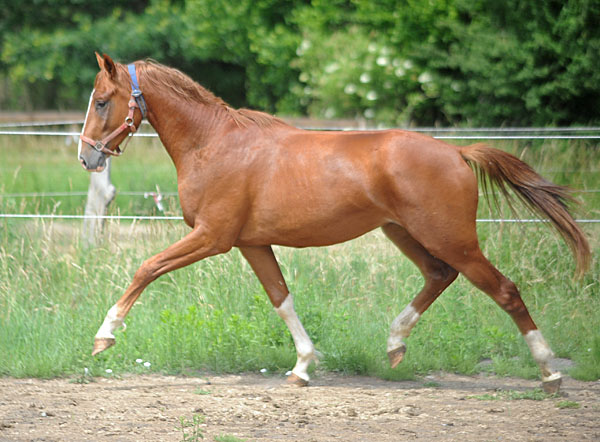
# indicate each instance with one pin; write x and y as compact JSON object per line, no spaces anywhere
{"x":83,"y":163}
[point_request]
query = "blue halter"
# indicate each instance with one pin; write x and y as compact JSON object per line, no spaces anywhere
{"x":136,"y":93}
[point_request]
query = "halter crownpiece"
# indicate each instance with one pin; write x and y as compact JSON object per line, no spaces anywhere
{"x":135,"y":90}
{"x":136,"y":101}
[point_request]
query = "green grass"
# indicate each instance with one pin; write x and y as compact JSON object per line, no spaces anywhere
{"x":567,"y":404}
{"x":227,"y":438}
{"x":45,"y":164}
{"x":512,"y":395}
{"x":190,"y":428}
{"x":214,"y":315}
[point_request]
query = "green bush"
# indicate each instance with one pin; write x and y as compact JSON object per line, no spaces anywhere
{"x":390,"y":62}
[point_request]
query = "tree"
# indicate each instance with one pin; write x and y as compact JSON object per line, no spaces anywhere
{"x":393,"y":62}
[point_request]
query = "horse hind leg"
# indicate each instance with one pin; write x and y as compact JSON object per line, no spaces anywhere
{"x":479,"y":271}
{"x":438,"y":276}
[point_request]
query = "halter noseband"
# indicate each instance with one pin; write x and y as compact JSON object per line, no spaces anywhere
{"x":136,"y":101}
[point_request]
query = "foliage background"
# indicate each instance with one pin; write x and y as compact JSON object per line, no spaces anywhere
{"x":392,"y":62}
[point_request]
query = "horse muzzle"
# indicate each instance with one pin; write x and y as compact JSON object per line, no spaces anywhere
{"x":92,"y":160}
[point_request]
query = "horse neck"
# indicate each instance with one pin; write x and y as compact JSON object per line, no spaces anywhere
{"x":184,"y":126}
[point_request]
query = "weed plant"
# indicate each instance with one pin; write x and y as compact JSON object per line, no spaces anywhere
{"x":214,"y":315}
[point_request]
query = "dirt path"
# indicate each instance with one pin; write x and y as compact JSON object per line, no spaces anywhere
{"x":260,"y":408}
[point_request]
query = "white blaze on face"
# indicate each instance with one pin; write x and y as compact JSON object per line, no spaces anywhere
{"x":84,"y":123}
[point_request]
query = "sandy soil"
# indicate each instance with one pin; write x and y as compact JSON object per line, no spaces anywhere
{"x":261,"y":408}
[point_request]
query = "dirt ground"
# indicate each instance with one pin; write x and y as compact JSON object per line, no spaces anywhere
{"x":254,"y":407}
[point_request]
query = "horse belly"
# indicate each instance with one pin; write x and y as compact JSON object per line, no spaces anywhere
{"x":304,"y":227}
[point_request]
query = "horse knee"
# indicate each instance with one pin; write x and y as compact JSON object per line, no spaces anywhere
{"x":146,"y":273}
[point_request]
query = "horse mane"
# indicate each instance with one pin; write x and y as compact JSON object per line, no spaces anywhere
{"x":174,"y":82}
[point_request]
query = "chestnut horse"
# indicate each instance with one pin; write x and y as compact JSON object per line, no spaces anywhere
{"x":248,"y":180}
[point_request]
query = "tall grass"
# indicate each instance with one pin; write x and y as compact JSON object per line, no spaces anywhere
{"x":214,"y":315}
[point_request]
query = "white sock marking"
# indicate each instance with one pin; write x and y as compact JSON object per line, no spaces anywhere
{"x":401,"y":327}
{"x":541,"y":352}
{"x":110,"y":324}
{"x":304,"y":346}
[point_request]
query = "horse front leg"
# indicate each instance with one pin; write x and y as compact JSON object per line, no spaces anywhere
{"x":263,"y":262}
{"x":198,"y":244}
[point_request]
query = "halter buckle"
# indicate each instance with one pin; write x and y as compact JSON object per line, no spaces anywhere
{"x":99,"y":146}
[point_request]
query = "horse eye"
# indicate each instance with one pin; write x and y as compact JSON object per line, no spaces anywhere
{"x":101,"y":104}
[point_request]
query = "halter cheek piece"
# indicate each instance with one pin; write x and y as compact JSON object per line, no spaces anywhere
{"x":136,"y":101}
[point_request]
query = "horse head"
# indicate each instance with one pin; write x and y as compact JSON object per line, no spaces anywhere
{"x":115,"y":110}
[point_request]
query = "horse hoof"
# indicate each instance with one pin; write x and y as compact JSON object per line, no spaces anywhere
{"x":101,"y":344}
{"x":396,"y":355}
{"x":294,"y":380}
{"x":553,"y":386}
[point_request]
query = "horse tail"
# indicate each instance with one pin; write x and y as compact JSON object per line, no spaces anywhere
{"x":551,"y":201}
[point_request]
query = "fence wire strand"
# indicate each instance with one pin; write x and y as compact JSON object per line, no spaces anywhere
{"x":462,"y":131}
{"x":166,"y":217}
{"x":439,"y":137}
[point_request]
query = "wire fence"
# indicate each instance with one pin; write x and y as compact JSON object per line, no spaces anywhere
{"x":84,"y":193}
{"x":346,"y":127}
{"x":439,"y":137}
{"x":43,"y":123}
{"x":179,"y":218}
{"x":481,"y":133}
{"x":507,"y":133}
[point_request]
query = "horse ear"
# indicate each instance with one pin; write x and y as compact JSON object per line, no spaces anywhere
{"x":109,"y":66}
{"x":100,"y":61}
{"x":106,"y":63}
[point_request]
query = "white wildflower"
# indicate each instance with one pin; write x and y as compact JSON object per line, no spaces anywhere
{"x":382,"y":61}
{"x":304,"y":46}
{"x":330,"y":112}
{"x":425,"y":77}
{"x":332,"y":67}
{"x":350,"y":89}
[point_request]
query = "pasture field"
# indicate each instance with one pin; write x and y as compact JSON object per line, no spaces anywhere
{"x":214,"y":315}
